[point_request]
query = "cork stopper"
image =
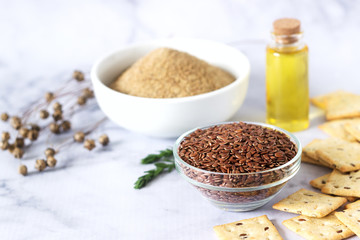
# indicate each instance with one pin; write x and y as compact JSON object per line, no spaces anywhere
{"x":286,"y":26}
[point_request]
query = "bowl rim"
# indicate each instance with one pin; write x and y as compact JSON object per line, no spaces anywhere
{"x":297,"y":157}
{"x":243,"y":78}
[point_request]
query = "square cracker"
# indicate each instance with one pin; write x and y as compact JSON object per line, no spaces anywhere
{"x":353,"y":205}
{"x":320,"y":181}
{"x":341,"y":154}
{"x":309,"y":203}
{"x":344,"y":106}
{"x":329,"y":227}
{"x":337,"y":129}
{"x":343,"y":184}
{"x":253,"y":228}
{"x":309,"y":151}
{"x":322,"y":100}
{"x":351,"y":218}
{"x":353,"y":128}
{"x":305,"y":158}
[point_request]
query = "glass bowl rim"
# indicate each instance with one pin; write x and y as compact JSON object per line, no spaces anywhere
{"x":297,"y":157}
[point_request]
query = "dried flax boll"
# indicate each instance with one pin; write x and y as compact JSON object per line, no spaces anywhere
{"x":23,"y":132}
{"x":168,"y":73}
{"x":35,"y":127}
{"x":57,"y":115}
{"x":78,"y":76}
{"x":89,"y":144}
{"x":11,"y":148}
{"x":54,"y":128}
{"x":49,"y":152}
{"x":33,"y":135}
{"x":49,"y":96}
{"x":18,"y":152}
{"x":66,"y":125}
{"x":57,"y":106}
{"x":23,"y":170}
{"x":88,"y":93}
{"x":40,"y":164}
{"x":19,"y":142}
{"x":5,"y":136}
{"x":4,"y":145}
{"x":4,"y":117}
{"x":16,"y":122}
{"x":79,"y":136}
{"x":81,"y":100}
{"x":51,"y":161}
{"x":104,"y":140}
{"x":44,"y":114}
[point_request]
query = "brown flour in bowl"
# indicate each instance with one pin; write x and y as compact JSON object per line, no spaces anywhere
{"x":168,"y":73}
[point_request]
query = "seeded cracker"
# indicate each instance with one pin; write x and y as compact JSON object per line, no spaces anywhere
{"x":307,"y":159}
{"x":343,"y":155}
{"x":320,"y":181}
{"x":353,"y":128}
{"x":355,"y":205}
{"x":343,"y":184}
{"x":351,"y":218}
{"x":310,"y":151}
{"x":329,"y":227}
{"x":321,"y":101}
{"x":346,"y":106}
{"x":252,"y":228}
{"x":309,"y":203}
{"x":337,"y":129}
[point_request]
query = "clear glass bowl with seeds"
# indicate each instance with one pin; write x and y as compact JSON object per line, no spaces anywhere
{"x":238,"y":166}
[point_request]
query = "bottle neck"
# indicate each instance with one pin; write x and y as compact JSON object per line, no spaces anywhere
{"x":283,"y":42}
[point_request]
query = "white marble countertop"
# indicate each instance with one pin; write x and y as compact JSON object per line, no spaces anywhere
{"x":91,"y":195}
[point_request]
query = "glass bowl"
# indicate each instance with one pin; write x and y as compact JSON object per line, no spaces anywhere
{"x":239,"y":191}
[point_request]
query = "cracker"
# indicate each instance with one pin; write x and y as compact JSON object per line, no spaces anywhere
{"x":343,"y":184}
{"x":341,"y":154}
{"x":351,"y":218}
{"x":310,"y":148}
{"x":353,"y":205}
{"x":344,"y":106}
{"x":320,"y":181}
{"x":353,"y":128}
{"x":322,"y":100}
{"x":253,"y":228}
{"x":307,"y":159}
{"x":310,"y":151}
{"x":309,"y":203}
{"x":336,"y":128}
{"x":328,"y":227}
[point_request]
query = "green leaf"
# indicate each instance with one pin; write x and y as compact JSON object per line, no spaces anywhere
{"x":167,"y":164}
{"x":152,"y":158}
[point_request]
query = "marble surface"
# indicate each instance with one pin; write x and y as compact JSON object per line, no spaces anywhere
{"x":90,"y":195}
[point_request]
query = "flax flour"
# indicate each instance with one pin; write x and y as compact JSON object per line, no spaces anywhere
{"x":168,"y":73}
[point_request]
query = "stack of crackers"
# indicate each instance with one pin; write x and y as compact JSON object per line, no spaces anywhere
{"x":318,"y":215}
{"x":318,"y":218}
{"x":341,"y":152}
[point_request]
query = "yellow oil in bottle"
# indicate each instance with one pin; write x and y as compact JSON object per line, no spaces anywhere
{"x":287,"y":88}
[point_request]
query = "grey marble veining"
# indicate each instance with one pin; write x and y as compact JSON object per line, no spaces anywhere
{"x":90,"y":195}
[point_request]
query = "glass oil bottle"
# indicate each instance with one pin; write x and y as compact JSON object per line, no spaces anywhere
{"x":287,"y":87}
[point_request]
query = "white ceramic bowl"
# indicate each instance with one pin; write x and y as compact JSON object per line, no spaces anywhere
{"x":170,"y":117}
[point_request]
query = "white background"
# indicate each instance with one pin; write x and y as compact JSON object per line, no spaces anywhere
{"x":90,"y":195}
